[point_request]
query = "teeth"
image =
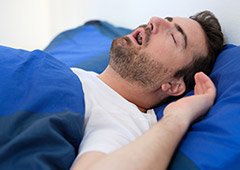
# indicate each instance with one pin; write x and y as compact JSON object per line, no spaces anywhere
{"x":139,"y":38}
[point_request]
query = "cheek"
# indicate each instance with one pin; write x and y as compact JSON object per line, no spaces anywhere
{"x":164,"y":51}
{"x":161,"y":49}
{"x":163,"y":54}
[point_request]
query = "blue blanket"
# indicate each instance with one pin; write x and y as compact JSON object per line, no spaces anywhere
{"x":42,"y":111}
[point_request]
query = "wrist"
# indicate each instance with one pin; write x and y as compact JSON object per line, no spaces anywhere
{"x":182,"y":116}
{"x":176,"y":122}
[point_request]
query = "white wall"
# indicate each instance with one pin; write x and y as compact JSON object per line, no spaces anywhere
{"x":31,"y":24}
{"x":24,"y":23}
{"x":131,"y":13}
{"x":65,"y":14}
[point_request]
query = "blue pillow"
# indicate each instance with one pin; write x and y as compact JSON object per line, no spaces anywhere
{"x":86,"y":46}
{"x":214,"y":142}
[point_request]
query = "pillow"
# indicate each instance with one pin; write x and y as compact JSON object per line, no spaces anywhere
{"x":214,"y":142}
{"x":87,"y":46}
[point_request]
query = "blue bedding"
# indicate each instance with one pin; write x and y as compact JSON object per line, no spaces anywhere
{"x":42,"y":106}
{"x":42,"y":111}
{"x":87,"y":46}
{"x":41,"y":99}
{"x":214,"y":142}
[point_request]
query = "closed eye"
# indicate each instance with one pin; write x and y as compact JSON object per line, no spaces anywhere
{"x":180,"y":30}
{"x":174,"y":39}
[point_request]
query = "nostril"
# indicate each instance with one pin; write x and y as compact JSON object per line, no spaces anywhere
{"x":154,"y":24}
{"x":151,"y":26}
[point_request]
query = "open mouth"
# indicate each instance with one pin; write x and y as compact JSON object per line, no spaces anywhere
{"x":138,"y":36}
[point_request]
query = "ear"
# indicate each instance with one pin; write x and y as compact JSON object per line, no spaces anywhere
{"x":174,"y":88}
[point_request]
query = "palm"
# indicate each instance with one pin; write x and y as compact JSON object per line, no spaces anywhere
{"x":198,"y":104}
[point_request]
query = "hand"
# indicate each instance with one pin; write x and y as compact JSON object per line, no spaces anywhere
{"x":190,"y":108}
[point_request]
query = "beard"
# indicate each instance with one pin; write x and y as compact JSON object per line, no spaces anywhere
{"x":136,"y":66}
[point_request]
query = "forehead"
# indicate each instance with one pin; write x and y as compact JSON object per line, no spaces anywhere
{"x":195,"y":35}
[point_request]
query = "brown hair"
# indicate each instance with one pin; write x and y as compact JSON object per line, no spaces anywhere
{"x":214,"y":39}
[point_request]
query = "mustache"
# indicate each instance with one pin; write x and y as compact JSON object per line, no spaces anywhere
{"x":142,"y":26}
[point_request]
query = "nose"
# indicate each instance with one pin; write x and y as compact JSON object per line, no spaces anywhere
{"x":156,"y":23}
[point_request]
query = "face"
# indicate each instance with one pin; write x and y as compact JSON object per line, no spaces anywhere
{"x":152,"y":53}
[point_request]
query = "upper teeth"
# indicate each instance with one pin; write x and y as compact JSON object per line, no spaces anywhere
{"x":139,"y":38}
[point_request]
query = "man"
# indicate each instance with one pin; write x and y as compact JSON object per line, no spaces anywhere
{"x":156,"y":61}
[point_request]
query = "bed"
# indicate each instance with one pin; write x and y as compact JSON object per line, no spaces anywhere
{"x":42,"y":105}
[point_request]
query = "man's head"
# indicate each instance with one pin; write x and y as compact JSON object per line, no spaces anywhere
{"x":215,"y":40}
{"x":166,"y":53}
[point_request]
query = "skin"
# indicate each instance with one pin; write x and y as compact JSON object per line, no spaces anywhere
{"x":154,"y":149}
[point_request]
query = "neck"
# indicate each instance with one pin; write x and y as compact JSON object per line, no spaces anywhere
{"x":143,"y":98}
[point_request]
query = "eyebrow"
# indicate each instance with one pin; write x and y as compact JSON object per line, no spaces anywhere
{"x":179,"y":28}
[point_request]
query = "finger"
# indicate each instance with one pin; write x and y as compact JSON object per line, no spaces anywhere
{"x":198,"y":87}
{"x":206,"y":83}
{"x":196,"y":90}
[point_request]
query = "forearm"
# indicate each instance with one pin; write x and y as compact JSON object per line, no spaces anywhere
{"x":153,"y":150}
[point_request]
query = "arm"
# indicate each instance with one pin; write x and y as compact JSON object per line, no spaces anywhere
{"x":154,"y":149}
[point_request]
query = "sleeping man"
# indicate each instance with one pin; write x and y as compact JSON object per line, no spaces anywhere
{"x":156,"y":61}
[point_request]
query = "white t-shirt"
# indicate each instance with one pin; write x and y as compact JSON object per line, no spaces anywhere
{"x":110,"y":120}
